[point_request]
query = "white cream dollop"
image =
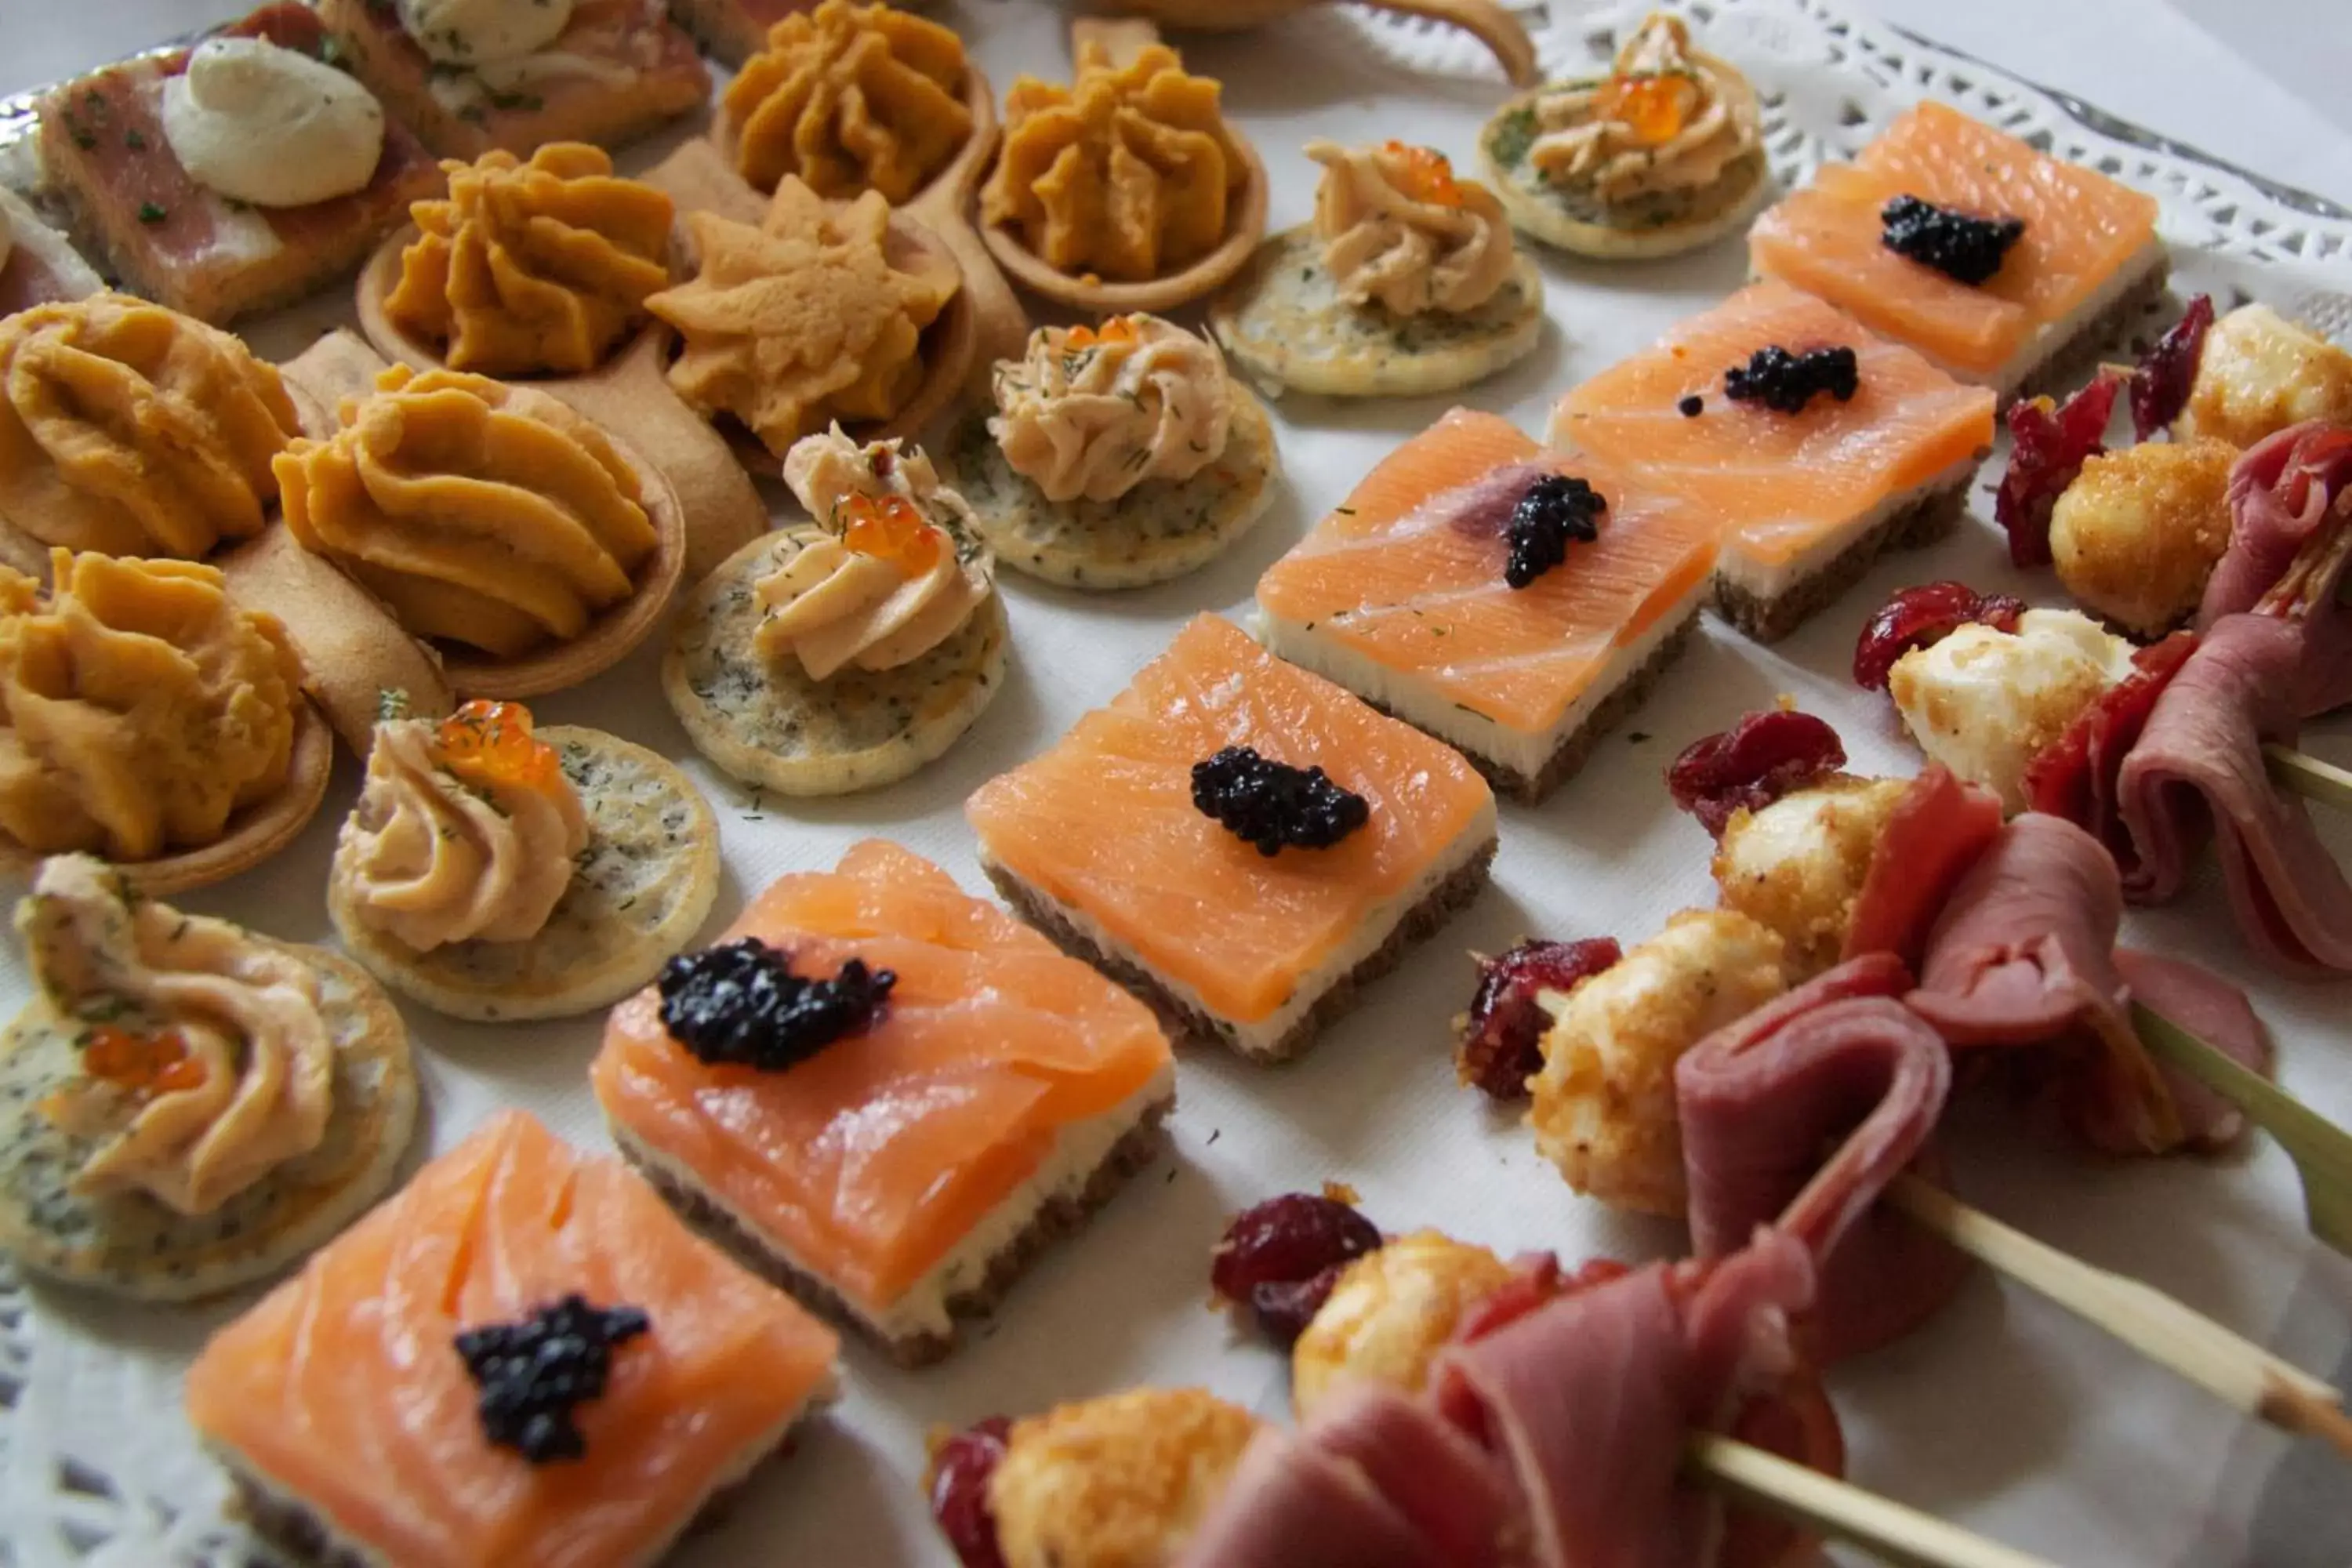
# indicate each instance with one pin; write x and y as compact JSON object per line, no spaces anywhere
{"x":246,"y":1011}
{"x":1983,"y":701}
{"x":477,"y":32}
{"x":1093,"y":418}
{"x":271,"y":126}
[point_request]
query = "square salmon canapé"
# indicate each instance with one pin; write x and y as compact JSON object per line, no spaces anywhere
{"x":618,"y":69}
{"x":1104,"y":843}
{"x":2083,"y":256}
{"x":1406,"y":595}
{"x":179,"y":242}
{"x":1806,"y":495}
{"x":899,"y":1164}
{"x":350,"y":1405}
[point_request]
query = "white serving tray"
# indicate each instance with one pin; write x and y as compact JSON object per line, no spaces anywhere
{"x":2004,"y":1415}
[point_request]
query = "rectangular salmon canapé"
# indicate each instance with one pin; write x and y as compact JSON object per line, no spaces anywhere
{"x":1808,"y":441}
{"x":928,"y":1092}
{"x":1240,"y":839}
{"x":1420,"y":594}
{"x":2004,"y":266}
{"x":179,"y":242}
{"x":397,"y":1402}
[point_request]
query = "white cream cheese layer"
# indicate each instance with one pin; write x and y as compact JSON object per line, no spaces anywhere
{"x":1435,"y":712}
{"x":1769,"y":580}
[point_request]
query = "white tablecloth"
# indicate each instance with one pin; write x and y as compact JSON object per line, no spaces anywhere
{"x":2009,"y":1415}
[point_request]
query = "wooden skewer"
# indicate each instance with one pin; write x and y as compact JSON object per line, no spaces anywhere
{"x":1880,"y":1526}
{"x":2321,"y":1152}
{"x":2236,"y":1371}
{"x":2309,"y":777}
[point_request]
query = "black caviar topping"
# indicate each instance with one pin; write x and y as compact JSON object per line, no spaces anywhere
{"x":1556,"y":508}
{"x":1272,"y":805}
{"x":1785,"y":382}
{"x":1691,"y":407}
{"x":740,"y":1005}
{"x":533,"y":1371}
{"x":1956,"y":244}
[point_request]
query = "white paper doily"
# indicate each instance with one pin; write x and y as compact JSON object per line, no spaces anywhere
{"x":2100,"y":1459}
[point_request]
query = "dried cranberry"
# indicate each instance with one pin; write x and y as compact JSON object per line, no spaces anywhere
{"x":1915,"y":617}
{"x":1281,"y":1257}
{"x":1497,"y":1042}
{"x":2160,"y":381}
{"x":1752,"y":764}
{"x":959,"y":1488}
{"x":1282,"y":1309}
{"x":2049,"y":444}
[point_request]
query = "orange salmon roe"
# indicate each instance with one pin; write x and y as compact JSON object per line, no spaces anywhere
{"x":1114,"y":330}
{"x":1427,"y":175}
{"x":491,"y":744}
{"x":891,"y":528}
{"x":1655,"y":108}
{"x":143,"y":1064}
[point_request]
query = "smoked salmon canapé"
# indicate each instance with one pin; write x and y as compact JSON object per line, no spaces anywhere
{"x":236,"y":176}
{"x":521,"y":1358}
{"x":1808,"y":443}
{"x":1238,"y":839}
{"x":1507,"y":600}
{"x":887,"y":1093}
{"x":2005,"y":266}
{"x":473,"y":77}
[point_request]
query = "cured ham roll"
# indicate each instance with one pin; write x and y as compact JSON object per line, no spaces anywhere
{"x":1555,"y":1439}
{"x":1840,"y":1055}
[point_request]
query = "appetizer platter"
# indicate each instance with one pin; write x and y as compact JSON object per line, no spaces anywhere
{"x":958,"y":786}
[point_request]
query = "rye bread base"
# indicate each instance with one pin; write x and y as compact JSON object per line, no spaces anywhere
{"x":1057,"y":1218}
{"x":1926,"y":521}
{"x":305,"y":1537}
{"x":1442,"y":902}
{"x":2071,"y":362}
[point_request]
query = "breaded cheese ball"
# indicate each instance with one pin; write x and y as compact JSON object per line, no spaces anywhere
{"x":1604,"y":1102}
{"x":1117,"y":1482}
{"x":2260,"y":372}
{"x":1798,"y":865}
{"x":1983,"y":701}
{"x":2136,"y":535}
{"x":1391,"y":1312}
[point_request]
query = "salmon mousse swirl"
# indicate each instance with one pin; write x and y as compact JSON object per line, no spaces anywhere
{"x":887,"y":572}
{"x":206,"y":1063}
{"x":130,"y":429}
{"x":1129,"y":173}
{"x":533,"y":268}
{"x":1664,"y":120}
{"x":1399,"y":230}
{"x":478,"y":516}
{"x":1091,"y":413}
{"x":816,"y":315}
{"x":140,"y":709}
{"x":465,"y":830}
{"x":850,"y":98}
